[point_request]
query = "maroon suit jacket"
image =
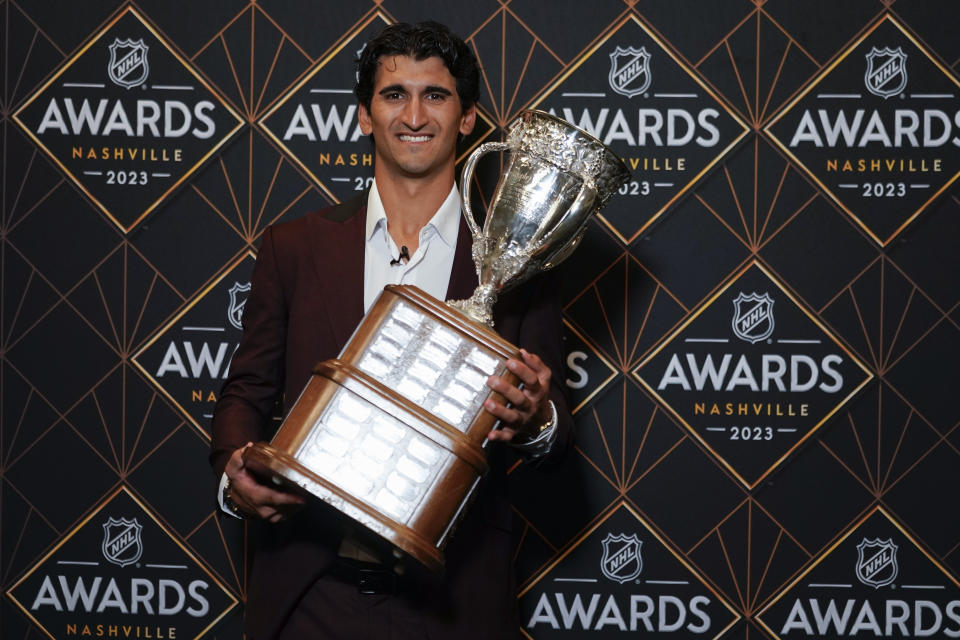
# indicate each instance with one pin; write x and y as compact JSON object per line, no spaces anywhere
{"x":306,"y":300}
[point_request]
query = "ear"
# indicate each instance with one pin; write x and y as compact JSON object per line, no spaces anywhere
{"x":468,"y":119}
{"x":363,"y":118}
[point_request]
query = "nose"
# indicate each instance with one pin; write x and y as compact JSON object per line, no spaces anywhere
{"x":414,"y":115}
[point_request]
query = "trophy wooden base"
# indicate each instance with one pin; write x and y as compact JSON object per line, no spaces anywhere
{"x":392,"y":435}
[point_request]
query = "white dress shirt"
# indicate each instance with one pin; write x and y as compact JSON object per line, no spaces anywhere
{"x":430,"y":265}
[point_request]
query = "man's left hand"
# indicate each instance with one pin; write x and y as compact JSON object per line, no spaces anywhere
{"x":529,"y":407}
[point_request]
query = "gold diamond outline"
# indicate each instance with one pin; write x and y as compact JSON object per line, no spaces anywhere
{"x":663,"y":542}
{"x":600,"y":387}
{"x":308,"y":76}
{"x":96,"y":511}
{"x":163,"y":330}
{"x":823,"y":556}
{"x":820,"y":77}
{"x":693,"y":316}
{"x":683,"y":66}
{"x":129,"y":9}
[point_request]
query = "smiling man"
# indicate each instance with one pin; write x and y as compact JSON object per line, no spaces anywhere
{"x":313,"y":574}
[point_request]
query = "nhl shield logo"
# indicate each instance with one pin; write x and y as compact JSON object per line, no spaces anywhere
{"x":121,"y":541}
{"x":128,"y":62}
{"x":753,"y":317}
{"x":629,"y":71}
{"x":877,"y":562}
{"x":886,"y":73}
{"x":237,"y":303}
{"x":621,"y":560}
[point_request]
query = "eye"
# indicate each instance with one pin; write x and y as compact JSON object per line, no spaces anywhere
{"x":436,"y":96}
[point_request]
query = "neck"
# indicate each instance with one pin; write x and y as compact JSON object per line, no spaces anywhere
{"x":410,"y":204}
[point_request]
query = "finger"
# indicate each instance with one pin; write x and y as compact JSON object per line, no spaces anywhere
{"x":528,"y":376}
{"x":247,"y":490}
{"x":510,"y":393}
{"x":235,"y":461}
{"x":280,"y":512}
{"x":528,"y":402}
{"x":272,"y":512}
{"x":263,"y":495}
{"x":507,"y":415}
{"x":501,"y":435}
{"x":533,"y":361}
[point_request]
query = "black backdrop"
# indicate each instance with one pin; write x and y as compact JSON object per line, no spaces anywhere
{"x":761,"y":329}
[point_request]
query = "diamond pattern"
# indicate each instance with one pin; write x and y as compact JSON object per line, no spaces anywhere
{"x":703,"y":509}
{"x":58,"y":257}
{"x":499,"y":44}
{"x":927,"y":255}
{"x":793,"y":497}
{"x":749,"y":555}
{"x":62,"y":331}
{"x":804,"y":252}
{"x":755,"y":205}
{"x":756,"y":85}
{"x":625,"y":311}
{"x":124,"y":419}
{"x":883,"y":314}
{"x":249,"y":201}
{"x":880,"y":439}
{"x":24,"y":536}
{"x":253,"y":61}
{"x":821,"y":39}
{"x":932,"y":395}
{"x":78,"y":297}
{"x":29,"y":51}
{"x":57,"y":459}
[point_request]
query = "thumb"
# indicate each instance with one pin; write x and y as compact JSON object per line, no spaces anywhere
{"x":235,"y":462}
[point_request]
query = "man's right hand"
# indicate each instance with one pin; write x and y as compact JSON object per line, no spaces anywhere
{"x":255,"y":499}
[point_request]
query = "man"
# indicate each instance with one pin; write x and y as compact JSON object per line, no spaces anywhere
{"x":315,"y":277}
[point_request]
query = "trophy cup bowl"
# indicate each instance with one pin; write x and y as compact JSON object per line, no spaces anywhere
{"x":391,"y":433}
{"x":557,"y":177}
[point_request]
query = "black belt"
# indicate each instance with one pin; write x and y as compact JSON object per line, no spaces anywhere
{"x":369,"y":578}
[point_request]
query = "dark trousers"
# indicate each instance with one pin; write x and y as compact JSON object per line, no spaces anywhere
{"x":334,"y":610}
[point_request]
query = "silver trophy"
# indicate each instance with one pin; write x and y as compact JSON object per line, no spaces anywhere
{"x":557,"y":177}
{"x":392,"y":433}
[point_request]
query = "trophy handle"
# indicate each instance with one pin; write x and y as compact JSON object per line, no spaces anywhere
{"x":466,"y":178}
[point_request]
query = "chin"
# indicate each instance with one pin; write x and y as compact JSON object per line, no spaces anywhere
{"x":415,"y":168}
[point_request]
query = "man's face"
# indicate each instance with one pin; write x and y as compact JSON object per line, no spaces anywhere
{"x":415,"y":117}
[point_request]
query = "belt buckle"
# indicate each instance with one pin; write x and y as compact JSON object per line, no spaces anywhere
{"x":373,"y":582}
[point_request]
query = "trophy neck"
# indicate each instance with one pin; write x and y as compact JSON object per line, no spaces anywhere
{"x":479,"y":306}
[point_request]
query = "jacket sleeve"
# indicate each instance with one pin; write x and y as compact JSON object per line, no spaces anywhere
{"x":541,"y":332}
{"x":256,"y":378}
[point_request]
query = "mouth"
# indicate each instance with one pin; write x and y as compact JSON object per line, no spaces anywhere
{"x":406,"y":137}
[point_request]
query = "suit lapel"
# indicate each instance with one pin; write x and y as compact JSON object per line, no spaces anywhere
{"x":338,"y":246}
{"x":338,"y":249}
{"x":463,"y":275}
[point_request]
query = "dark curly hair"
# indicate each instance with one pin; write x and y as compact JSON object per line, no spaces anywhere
{"x":420,"y":41}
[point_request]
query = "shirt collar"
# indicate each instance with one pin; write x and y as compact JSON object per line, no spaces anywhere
{"x":446,"y":220}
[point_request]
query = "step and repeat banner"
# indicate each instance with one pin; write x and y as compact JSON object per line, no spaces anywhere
{"x":762,"y":328}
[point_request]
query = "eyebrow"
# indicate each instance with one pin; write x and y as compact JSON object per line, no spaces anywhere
{"x":429,"y":89}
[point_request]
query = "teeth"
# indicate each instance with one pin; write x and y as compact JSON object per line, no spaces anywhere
{"x":414,"y":138}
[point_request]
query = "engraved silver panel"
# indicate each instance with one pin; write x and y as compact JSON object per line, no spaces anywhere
{"x":432,"y":366}
{"x":372,"y":455}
